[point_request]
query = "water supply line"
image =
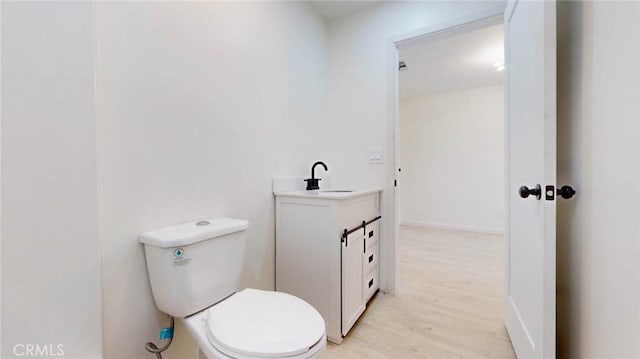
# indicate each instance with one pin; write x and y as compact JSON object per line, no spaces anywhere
{"x":152,"y":348}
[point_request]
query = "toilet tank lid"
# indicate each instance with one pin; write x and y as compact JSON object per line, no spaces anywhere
{"x":192,"y":232}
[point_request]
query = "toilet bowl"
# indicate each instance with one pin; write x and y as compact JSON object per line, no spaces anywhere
{"x":195,"y":270}
{"x":255,"y":324}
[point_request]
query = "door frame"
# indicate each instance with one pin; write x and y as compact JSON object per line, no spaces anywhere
{"x":475,"y":21}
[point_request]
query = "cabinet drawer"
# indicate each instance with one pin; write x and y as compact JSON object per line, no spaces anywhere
{"x":372,"y":234}
{"x":370,"y":260}
{"x":371,"y":284}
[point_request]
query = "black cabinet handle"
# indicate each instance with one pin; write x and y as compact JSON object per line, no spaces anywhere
{"x":371,"y":283}
{"x":371,"y":258}
{"x":364,"y":245}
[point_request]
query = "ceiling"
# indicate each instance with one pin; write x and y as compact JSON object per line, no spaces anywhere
{"x":450,"y":63}
{"x":330,"y":10}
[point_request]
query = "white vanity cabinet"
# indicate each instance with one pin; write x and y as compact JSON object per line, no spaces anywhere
{"x":326,"y":256}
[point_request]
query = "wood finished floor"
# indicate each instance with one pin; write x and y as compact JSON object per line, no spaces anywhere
{"x":450,"y":303}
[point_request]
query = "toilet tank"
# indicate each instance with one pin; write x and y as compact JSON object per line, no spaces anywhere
{"x":194,"y":265}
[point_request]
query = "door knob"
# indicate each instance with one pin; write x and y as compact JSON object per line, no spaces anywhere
{"x":566,"y":192}
{"x":525,"y":191}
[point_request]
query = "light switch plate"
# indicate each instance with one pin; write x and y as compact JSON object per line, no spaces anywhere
{"x":376,"y":155}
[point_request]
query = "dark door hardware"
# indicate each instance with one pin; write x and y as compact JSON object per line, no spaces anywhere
{"x":371,"y":221}
{"x":363,"y":226}
{"x":566,"y":192}
{"x":312,"y":183}
{"x":549,"y":193}
{"x":525,"y":191}
{"x":364,"y":232}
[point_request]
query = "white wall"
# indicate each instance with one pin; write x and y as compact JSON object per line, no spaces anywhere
{"x":359,"y":94}
{"x":50,"y":249}
{"x":452,"y":160}
{"x":599,"y":154}
{"x":199,"y":105}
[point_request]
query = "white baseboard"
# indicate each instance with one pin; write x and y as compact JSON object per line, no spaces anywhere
{"x":452,"y":227}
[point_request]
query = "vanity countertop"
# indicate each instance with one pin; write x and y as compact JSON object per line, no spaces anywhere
{"x":328,"y":193}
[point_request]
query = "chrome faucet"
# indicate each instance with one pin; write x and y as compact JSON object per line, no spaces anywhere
{"x":312,"y":183}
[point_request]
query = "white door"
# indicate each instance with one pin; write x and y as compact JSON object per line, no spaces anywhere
{"x":353,"y":303}
{"x":530,"y":285}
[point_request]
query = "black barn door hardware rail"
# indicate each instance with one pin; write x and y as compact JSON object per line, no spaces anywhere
{"x":363,"y":226}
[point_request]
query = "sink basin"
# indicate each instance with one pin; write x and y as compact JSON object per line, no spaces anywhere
{"x":339,"y":190}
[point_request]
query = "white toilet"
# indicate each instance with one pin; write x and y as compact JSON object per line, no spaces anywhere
{"x":195,"y":269}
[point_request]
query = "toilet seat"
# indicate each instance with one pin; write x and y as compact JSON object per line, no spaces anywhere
{"x":263,"y":324}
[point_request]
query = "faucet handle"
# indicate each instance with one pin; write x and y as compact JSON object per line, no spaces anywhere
{"x":312,"y":183}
